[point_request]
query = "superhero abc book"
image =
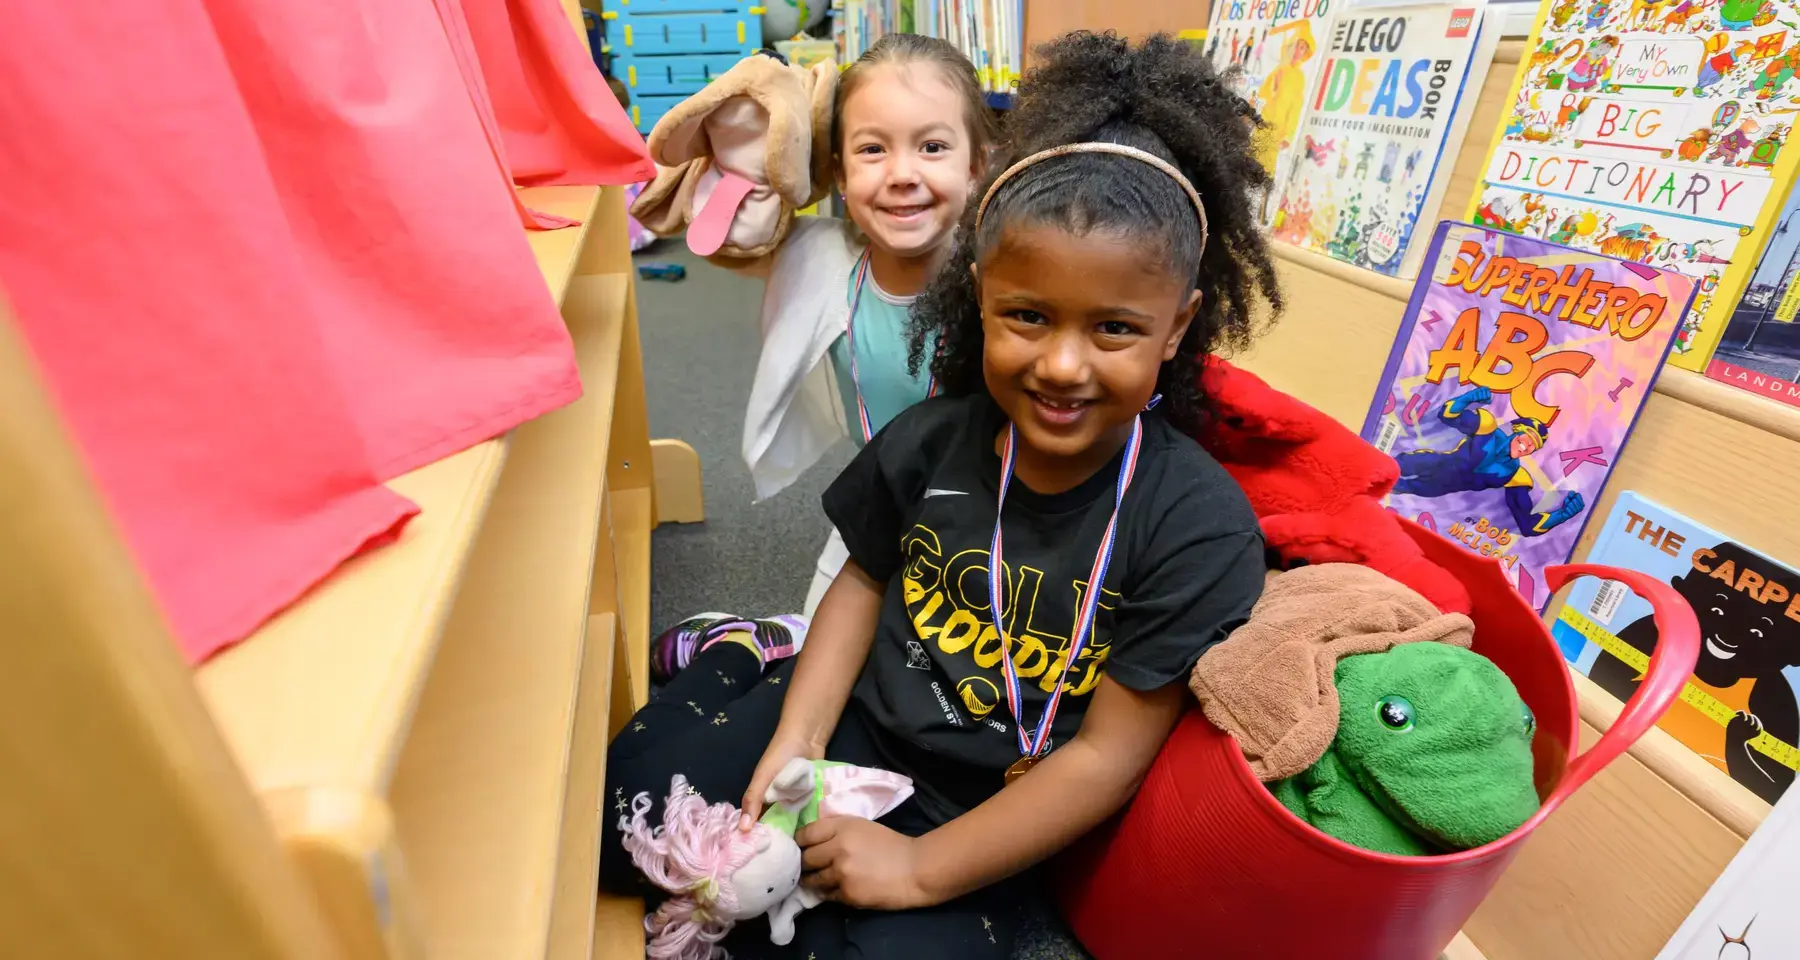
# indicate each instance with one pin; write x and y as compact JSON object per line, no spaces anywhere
{"x":1519,"y":370}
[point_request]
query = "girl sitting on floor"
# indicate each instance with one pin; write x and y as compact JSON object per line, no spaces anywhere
{"x":962,"y":644}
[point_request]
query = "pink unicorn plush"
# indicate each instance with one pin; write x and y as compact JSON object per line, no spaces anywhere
{"x":720,"y":875}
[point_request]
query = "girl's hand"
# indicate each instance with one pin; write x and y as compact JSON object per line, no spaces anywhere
{"x":783,"y":748}
{"x":861,"y":863}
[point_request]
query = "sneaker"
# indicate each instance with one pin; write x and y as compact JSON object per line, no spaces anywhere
{"x":780,"y":637}
{"x":776,"y":638}
{"x":676,"y":646}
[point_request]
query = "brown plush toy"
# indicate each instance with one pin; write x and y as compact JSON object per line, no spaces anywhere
{"x":1272,"y":684}
{"x":735,"y":160}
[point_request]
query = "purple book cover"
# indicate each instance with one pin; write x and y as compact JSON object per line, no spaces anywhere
{"x":1519,"y":370}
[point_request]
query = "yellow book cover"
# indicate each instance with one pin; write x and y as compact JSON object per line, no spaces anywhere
{"x":1274,"y":46}
{"x":1655,"y":131}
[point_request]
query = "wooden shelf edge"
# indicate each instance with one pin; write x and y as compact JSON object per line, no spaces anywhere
{"x":323,"y":694}
{"x":480,"y":800}
{"x":1728,"y":401}
{"x":1394,"y":287}
{"x":558,"y":251}
{"x":1729,"y":802}
{"x":600,"y":299}
{"x":578,"y":857}
{"x":344,"y":844}
{"x":633,"y":517}
{"x":618,"y":928}
{"x":122,"y":803}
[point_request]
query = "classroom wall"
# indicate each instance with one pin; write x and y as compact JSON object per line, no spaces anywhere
{"x":1045,"y":19}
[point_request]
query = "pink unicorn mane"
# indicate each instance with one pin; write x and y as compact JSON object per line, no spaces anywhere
{"x":692,"y":854}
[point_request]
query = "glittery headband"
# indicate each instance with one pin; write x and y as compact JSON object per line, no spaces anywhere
{"x":1097,"y":146}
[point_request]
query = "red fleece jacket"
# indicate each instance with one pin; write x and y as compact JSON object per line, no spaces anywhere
{"x":1315,"y":486}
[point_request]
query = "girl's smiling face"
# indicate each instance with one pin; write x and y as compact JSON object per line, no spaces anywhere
{"x":908,"y":165}
{"x":1075,"y":329}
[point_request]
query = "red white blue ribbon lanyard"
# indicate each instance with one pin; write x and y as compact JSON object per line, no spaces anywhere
{"x":1032,"y":748}
{"x":856,"y":289}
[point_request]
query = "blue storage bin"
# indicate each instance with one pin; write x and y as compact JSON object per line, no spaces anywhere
{"x":682,"y":74}
{"x":687,"y":33}
{"x":645,"y":111}
{"x":667,"y":50}
{"x":637,"y":7}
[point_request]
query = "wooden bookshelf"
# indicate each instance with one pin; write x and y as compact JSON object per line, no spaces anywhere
{"x":1616,"y":870}
{"x":125,"y":827}
{"x":404,"y":764}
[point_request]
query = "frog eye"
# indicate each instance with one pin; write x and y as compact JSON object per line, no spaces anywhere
{"x":1395,"y":713}
{"x":1530,"y":721}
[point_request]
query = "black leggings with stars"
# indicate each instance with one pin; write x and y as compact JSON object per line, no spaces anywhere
{"x":711,"y":724}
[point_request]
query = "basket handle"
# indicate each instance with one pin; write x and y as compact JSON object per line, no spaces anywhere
{"x":1677,"y":649}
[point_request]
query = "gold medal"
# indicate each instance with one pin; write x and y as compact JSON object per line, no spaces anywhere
{"x":1033,"y":747}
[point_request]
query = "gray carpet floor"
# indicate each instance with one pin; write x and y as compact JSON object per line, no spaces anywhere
{"x":700,"y":340}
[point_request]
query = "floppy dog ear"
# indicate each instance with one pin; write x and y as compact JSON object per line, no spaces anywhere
{"x":749,"y":132}
{"x":658,"y":205}
{"x":821,"y":83}
{"x":754,"y":119}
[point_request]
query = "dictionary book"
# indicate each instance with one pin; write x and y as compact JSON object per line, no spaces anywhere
{"x":1518,"y":372}
{"x":1655,"y":132}
{"x":1738,"y":710}
{"x":1383,"y":123}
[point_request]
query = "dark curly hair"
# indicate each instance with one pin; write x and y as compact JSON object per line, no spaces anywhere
{"x":1163,"y":97}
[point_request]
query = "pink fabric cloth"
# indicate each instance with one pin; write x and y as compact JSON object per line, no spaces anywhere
{"x":559,"y":121}
{"x":265,"y":258}
{"x":462,"y":46}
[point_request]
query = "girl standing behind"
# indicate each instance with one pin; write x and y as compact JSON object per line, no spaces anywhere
{"x":910,"y":136}
{"x":1037,"y":557}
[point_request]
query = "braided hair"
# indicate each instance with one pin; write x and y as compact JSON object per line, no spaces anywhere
{"x":1163,"y":97}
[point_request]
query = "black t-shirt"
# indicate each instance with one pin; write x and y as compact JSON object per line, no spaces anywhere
{"x":916,"y":508}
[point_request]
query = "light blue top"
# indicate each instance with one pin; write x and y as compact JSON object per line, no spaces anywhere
{"x":881,"y":350}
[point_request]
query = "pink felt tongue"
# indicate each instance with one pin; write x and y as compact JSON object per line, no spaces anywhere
{"x":706,"y":234}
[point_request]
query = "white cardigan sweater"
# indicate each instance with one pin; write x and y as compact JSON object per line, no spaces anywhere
{"x":795,"y":413}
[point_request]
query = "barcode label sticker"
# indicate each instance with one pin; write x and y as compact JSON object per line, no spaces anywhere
{"x":1390,"y":431}
{"x":1607,"y":600}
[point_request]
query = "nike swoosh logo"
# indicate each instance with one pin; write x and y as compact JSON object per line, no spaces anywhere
{"x":939,"y":492}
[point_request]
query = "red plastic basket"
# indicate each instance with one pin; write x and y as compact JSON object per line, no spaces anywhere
{"x":1206,"y":863}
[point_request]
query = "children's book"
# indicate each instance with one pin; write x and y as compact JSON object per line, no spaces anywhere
{"x":1760,"y":349}
{"x":1381,"y":131}
{"x":1739,"y":709}
{"x":1518,"y":372}
{"x":1270,"y":49}
{"x":1748,"y":913}
{"x":1655,"y":131}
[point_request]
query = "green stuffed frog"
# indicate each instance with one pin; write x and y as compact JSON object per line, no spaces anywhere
{"x":1432,"y":754}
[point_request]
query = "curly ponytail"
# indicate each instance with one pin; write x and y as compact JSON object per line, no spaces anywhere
{"x":1163,"y":97}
